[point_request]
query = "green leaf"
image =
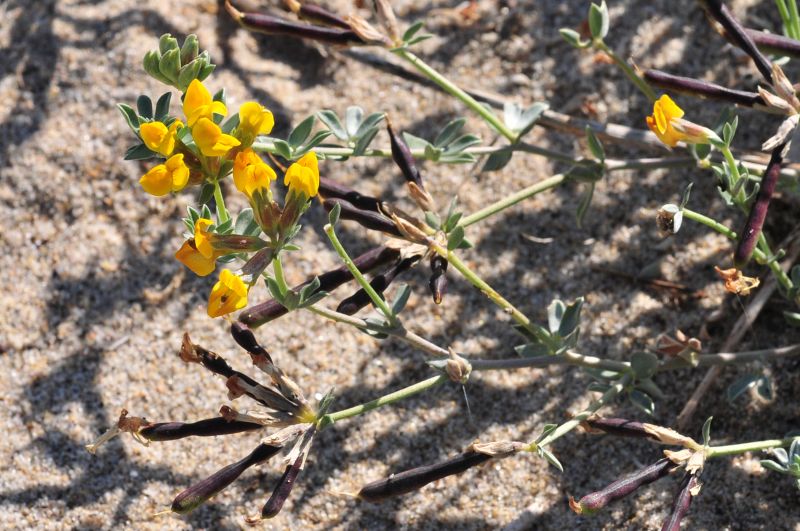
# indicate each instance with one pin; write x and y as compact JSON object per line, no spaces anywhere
{"x":687,"y":192}
{"x":555,"y":311}
{"x":737,"y":388}
{"x":764,"y":388}
{"x":415,"y":142}
{"x":574,"y":38}
{"x":283,"y":148}
{"x":455,"y":238}
{"x":412,"y":30}
{"x":452,"y":221}
{"x":497,"y":161}
{"x":139,"y":152}
{"x":230,"y":124}
{"x":364,"y":141}
{"x":530,"y":116}
{"x":419,"y":39}
{"x":162,"y":106}
{"x":206,"y":193}
{"x":220,"y":96}
{"x":547,"y":454}
{"x":598,"y":387}
{"x":772,"y":465}
{"x":594,"y":145}
{"x":131,"y":118}
{"x":532,"y":350}
{"x":571,"y":318}
{"x":166,"y":43}
{"x":461,"y":143}
{"x":369,"y":122}
{"x":583,"y":204}
{"x":309,"y":289}
{"x":598,"y":20}
{"x":432,"y":219}
{"x":300,"y":133}
{"x":449,"y":132}
{"x":332,"y":122}
{"x":642,"y":401}
{"x":644,"y":364}
{"x":401,"y":299}
{"x":792,"y":318}
{"x":707,"y":431}
{"x":465,"y":244}
{"x":243,"y":220}
{"x":352,"y":120}
{"x":144,"y":107}
{"x":333,"y":215}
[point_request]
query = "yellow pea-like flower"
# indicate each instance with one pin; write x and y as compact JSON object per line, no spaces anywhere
{"x":211,"y":140}
{"x":159,"y":138}
{"x":171,"y":176}
{"x":198,"y":103}
{"x":254,"y":119}
{"x":228,"y":295}
{"x":660,"y":122}
{"x":303,"y":175}
{"x":202,"y":239}
{"x":251,"y":173}
{"x":192,"y":258}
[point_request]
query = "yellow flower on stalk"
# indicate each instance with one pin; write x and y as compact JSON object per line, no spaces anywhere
{"x":171,"y":176}
{"x":228,"y":295}
{"x":202,"y":239}
{"x":198,"y":103}
{"x":660,"y":122}
{"x":254,"y":119}
{"x":303,"y":176}
{"x":192,"y":258}
{"x":211,"y":140}
{"x":158,"y":137}
{"x":251,"y":173}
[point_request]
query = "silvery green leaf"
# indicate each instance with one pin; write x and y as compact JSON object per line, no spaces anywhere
{"x":162,"y":106}
{"x":412,"y":30}
{"x":432,"y":219}
{"x":707,"y":431}
{"x":316,"y":140}
{"x":700,"y":151}
{"x":530,"y":116}
{"x":455,"y":238}
{"x":764,"y":388}
{"x":230,"y":124}
{"x":131,"y":118}
{"x":166,"y":43}
{"x":644,"y":364}
{"x":687,"y":192}
{"x":332,"y":122}
{"x":461,"y":143}
{"x":598,"y":387}
{"x":139,"y":152}
{"x":650,"y":388}
{"x":781,"y":455}
{"x":555,"y":311}
{"x":512,"y":115}
{"x":300,"y":133}
{"x":333,"y":215}
{"x":737,"y":388}
{"x":369,"y":123}
{"x":282,"y":148}
{"x":415,"y":142}
{"x":547,"y":429}
{"x":642,"y":401}
{"x":364,"y":141}
{"x":401,"y":299}
{"x":307,"y":290}
{"x":170,"y":65}
{"x":497,"y":160}
{"x":432,"y":152}
{"x":584,"y":204}
{"x":206,"y":211}
{"x":314,"y":298}
{"x":291,"y":247}
{"x":144,"y":106}
{"x":274,"y":289}
{"x":452,"y":221}
{"x":598,"y":20}
{"x":465,"y":244}
{"x":457,"y":158}
{"x":206,"y":193}
{"x":449,"y":132}
{"x":532,"y":350}
{"x":792,"y":318}
{"x":573,"y":37}
{"x":547,"y":454}
{"x":594,"y":145}
{"x":223,"y":228}
{"x":220,"y":95}
{"x":794,"y":450}
{"x":570,"y":318}
{"x":352,"y":120}
{"x":772,"y":465}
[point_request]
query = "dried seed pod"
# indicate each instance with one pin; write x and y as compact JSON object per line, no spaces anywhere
{"x":416,"y":478}
{"x":198,"y":493}
{"x":621,"y":427}
{"x":401,"y":155}
{"x":170,"y":431}
{"x":329,"y":188}
{"x":360,"y":299}
{"x":758,"y":212}
{"x":247,"y":340}
{"x":365,"y":218}
{"x":264,"y":312}
{"x":773,"y":43}
{"x":282,"y":489}
{"x":689,"y":488}
{"x":696,"y":87}
{"x":317,"y":14}
{"x":622,"y":487}
{"x":438,"y":280}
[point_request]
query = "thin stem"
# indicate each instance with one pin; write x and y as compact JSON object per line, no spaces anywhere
{"x":640,"y":83}
{"x":575,"y":421}
{"x":730,"y":358}
{"x":736,"y":449}
{"x":455,"y":91}
{"x":277,"y":267}
{"x":220,"y":201}
{"x":570,"y":357}
{"x":512,"y":200}
{"x":794,"y":17}
{"x":734,"y":169}
{"x":391,"y":398}
{"x":373,"y":295}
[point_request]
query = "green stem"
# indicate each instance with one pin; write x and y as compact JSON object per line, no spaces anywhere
{"x":373,"y":295}
{"x":391,"y":398}
{"x":222,"y":212}
{"x":640,"y":83}
{"x":280,"y":278}
{"x":736,"y":449}
{"x":794,"y":17}
{"x":733,"y":166}
{"x":575,"y":421}
{"x":512,"y":200}
{"x":455,"y":91}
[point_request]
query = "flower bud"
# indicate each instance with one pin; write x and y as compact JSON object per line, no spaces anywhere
{"x":166,"y":43}
{"x":188,"y":73}
{"x":170,"y":64}
{"x":150,"y":64}
{"x":190,"y":49}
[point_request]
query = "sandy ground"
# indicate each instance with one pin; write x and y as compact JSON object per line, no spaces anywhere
{"x":84,"y":250}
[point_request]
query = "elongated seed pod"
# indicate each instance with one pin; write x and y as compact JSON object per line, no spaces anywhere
{"x":277,"y":26}
{"x":416,"y":478}
{"x":170,"y":431}
{"x":738,"y":36}
{"x":696,"y":87}
{"x":330,"y":188}
{"x":438,"y":280}
{"x":360,"y":299}
{"x":242,"y":334}
{"x":772,"y":43}
{"x":680,"y":507}
{"x":365,"y":218}
{"x":319,"y":14}
{"x":282,"y":489}
{"x":622,"y":487}
{"x":621,"y":427}
{"x":401,"y":155}
{"x":758,"y":212}
{"x":198,"y":493}
{"x":264,"y":312}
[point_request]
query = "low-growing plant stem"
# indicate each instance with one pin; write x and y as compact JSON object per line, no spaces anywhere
{"x":220,"y":202}
{"x":373,"y":295}
{"x":755,"y":446}
{"x":483,"y":111}
{"x":512,"y":200}
{"x":280,"y":278}
{"x":640,"y":83}
{"x":390,"y":398}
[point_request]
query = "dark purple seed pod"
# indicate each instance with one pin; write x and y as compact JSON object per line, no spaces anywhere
{"x":438,"y":280}
{"x":401,"y":155}
{"x":360,"y":299}
{"x":416,"y":478}
{"x":680,"y":507}
{"x":772,"y":43}
{"x":319,"y":14}
{"x":696,"y":87}
{"x":247,"y":340}
{"x":330,"y":188}
{"x":265,"y":312}
{"x":738,"y":36}
{"x":282,"y":489}
{"x":622,"y":487}
{"x":621,"y":427}
{"x":365,"y":218}
{"x":170,"y":431}
{"x":748,"y":238}
{"x":199,"y":493}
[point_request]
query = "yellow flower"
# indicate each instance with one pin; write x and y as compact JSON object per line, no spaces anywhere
{"x":211,"y":140}
{"x":198,"y":103}
{"x":227,"y":295}
{"x":192,"y":258}
{"x":303,"y":175}
{"x":255,"y":119}
{"x":251,"y":173}
{"x":202,"y":239}
{"x":158,"y":138}
{"x":664,"y":111}
{"x":171,"y":176}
